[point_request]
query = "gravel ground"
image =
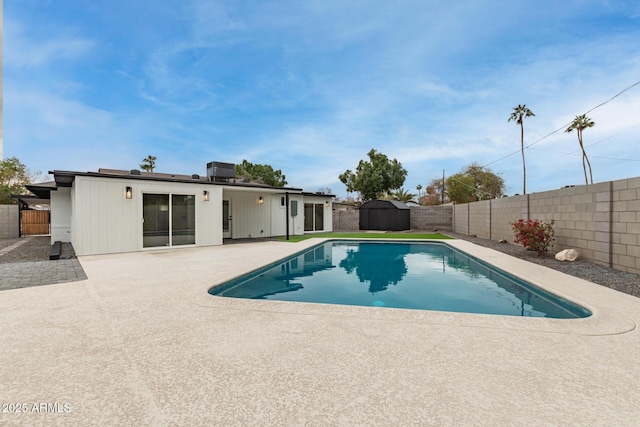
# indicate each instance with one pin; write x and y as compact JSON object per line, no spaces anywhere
{"x":628,"y":283}
{"x":36,"y":248}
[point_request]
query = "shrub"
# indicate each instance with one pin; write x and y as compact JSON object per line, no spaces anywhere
{"x":534,"y":235}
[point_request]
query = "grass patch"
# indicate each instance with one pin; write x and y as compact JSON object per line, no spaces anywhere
{"x":356,"y":235}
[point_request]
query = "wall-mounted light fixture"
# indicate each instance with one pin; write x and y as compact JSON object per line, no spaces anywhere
{"x":128,"y":193}
{"x":326,"y":204}
{"x":260,"y":200}
{"x":205,"y":196}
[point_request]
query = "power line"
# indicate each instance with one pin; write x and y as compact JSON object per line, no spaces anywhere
{"x":580,"y":154}
{"x":609,"y":137}
{"x":565,"y":126}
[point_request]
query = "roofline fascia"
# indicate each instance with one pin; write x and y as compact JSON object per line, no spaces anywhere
{"x":178,"y":180}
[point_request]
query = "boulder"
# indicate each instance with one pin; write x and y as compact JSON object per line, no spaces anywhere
{"x":567,"y":255}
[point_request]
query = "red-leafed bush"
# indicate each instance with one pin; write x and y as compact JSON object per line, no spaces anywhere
{"x":534,"y":235}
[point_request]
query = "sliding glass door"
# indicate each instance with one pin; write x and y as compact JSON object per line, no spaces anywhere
{"x":183,"y":219}
{"x":155,"y":216}
{"x":168,"y":220}
{"x":313,"y":217}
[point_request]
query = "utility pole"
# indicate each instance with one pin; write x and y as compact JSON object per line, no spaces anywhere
{"x":442,"y":196}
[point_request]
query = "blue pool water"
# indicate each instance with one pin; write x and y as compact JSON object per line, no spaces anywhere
{"x":413,"y":275}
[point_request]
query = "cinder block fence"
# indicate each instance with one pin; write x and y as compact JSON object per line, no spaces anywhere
{"x":9,"y":221}
{"x":601,"y":221}
{"x":421,"y":218}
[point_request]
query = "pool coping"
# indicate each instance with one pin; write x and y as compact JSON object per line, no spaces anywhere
{"x":604,"y":320}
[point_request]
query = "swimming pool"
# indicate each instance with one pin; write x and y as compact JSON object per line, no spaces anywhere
{"x":411,"y":275}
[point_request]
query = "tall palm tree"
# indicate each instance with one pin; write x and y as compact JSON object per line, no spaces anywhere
{"x":520,"y":113}
{"x":148,"y":163}
{"x":579,"y":124}
{"x":419,"y":187}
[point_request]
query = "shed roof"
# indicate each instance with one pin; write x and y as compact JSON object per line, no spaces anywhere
{"x":384,"y":204}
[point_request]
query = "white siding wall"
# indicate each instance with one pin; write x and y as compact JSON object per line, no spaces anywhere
{"x":248,"y":218}
{"x":106,"y":222}
{"x":278,"y":216}
{"x":296,"y":224}
{"x":60,"y":202}
{"x":328,"y":210}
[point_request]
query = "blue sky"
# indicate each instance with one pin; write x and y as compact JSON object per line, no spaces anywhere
{"x":310,"y":87}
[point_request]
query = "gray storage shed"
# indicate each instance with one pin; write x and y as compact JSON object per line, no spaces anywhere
{"x":387,"y":215}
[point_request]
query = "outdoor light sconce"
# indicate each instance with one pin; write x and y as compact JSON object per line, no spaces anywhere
{"x":205,"y":196}
{"x":128,"y":193}
{"x":260,"y":200}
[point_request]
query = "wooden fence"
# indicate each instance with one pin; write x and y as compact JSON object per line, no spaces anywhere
{"x":35,"y":222}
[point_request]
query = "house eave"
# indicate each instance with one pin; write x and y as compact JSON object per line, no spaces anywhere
{"x":66,"y":178}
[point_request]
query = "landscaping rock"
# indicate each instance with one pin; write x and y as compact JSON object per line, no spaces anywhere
{"x":567,"y":255}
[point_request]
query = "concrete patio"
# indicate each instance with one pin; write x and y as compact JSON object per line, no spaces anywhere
{"x":142,"y":343}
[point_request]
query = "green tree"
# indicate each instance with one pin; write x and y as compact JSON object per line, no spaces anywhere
{"x":579,"y":124}
{"x":520,"y":113}
{"x":375,"y":177}
{"x":402,"y":195}
{"x":419,"y":187}
{"x":474,"y":183}
{"x":264,"y":174}
{"x":148,"y":163}
{"x":13,"y":178}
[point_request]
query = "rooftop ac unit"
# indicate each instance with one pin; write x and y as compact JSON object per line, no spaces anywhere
{"x":218,"y":171}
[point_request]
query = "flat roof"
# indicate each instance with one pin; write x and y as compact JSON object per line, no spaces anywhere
{"x":66,"y":178}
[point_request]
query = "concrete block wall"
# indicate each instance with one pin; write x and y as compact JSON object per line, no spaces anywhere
{"x":9,"y":221}
{"x":601,"y":221}
{"x":480,"y":218}
{"x":346,"y":219}
{"x":461,"y":218}
{"x":421,"y":218}
{"x":428,"y":217}
{"x":625,"y":224}
{"x":505,"y":211}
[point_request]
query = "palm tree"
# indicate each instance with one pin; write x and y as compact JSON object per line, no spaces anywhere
{"x":419,"y":187}
{"x":519,"y":114}
{"x":148,"y":163}
{"x":402,"y":195}
{"x":579,"y":124}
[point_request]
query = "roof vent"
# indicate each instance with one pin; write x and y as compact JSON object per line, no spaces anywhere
{"x":220,"y":172}
{"x":195,"y":176}
{"x":134,"y":172}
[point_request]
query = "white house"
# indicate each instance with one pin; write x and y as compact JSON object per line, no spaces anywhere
{"x":113,"y":211}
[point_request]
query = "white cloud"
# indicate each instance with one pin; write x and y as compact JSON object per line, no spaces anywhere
{"x":22,"y":51}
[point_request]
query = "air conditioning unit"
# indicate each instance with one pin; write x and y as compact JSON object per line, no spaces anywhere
{"x":220,"y":172}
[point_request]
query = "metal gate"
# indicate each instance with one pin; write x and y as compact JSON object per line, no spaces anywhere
{"x":34,"y":222}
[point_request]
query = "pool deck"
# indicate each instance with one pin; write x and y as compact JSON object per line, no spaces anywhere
{"x":142,"y":343}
